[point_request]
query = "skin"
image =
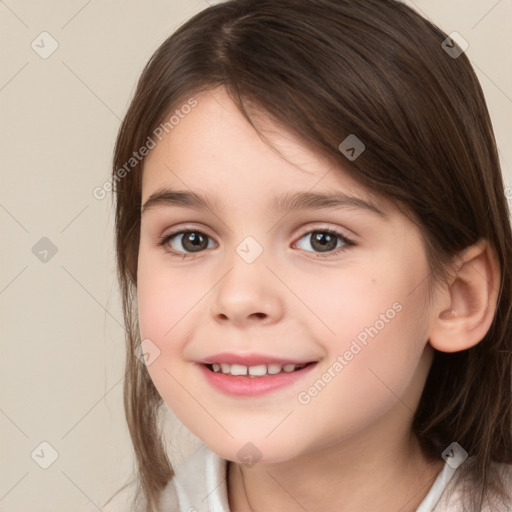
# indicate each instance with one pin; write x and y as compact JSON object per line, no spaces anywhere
{"x":348,"y":449}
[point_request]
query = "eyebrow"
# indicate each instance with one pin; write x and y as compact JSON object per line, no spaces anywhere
{"x":166,"y":197}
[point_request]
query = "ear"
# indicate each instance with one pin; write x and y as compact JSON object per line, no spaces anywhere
{"x":465,"y":307}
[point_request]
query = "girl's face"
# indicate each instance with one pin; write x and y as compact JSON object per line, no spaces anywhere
{"x":332,"y":282}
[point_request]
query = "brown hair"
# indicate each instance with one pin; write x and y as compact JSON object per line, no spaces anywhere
{"x":326,"y":69}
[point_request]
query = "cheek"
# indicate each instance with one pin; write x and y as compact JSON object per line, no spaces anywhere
{"x":157,"y":304}
{"x":379,"y":328}
{"x":344,"y":301}
{"x":163,"y":303}
{"x":171,"y":306}
{"x":368,"y":381}
{"x":163,"y":298}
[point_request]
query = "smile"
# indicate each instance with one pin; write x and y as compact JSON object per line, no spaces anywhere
{"x":249,"y":381}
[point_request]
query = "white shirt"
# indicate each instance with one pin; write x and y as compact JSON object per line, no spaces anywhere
{"x":199,"y":485}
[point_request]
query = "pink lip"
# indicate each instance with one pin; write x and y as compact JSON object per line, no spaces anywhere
{"x":245,"y":385}
{"x":249,"y":359}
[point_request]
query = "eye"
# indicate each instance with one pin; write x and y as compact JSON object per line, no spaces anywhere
{"x":327,"y":242}
{"x":190,"y":241}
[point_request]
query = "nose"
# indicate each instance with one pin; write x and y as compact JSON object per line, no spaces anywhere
{"x":248,"y":294}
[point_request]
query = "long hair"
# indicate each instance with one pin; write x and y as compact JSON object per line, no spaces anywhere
{"x":326,"y":69}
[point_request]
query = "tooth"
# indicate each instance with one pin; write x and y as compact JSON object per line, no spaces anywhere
{"x":261,"y":369}
{"x":238,"y":369}
{"x":273,"y":368}
{"x":257,"y":370}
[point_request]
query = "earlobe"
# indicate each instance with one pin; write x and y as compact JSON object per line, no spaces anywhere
{"x":465,"y":308}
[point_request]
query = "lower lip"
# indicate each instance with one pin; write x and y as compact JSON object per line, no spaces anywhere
{"x":245,"y":385}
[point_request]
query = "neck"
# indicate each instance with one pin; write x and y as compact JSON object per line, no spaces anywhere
{"x":359,"y":478}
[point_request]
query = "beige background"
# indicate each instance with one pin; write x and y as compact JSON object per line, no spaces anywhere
{"x":60,"y":320}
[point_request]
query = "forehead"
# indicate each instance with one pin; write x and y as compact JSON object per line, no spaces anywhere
{"x":214,"y":150}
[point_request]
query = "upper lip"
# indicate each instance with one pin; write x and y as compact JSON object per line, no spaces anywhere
{"x":250,"y":359}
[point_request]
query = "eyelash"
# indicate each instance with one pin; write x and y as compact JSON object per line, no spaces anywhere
{"x":347,"y":241}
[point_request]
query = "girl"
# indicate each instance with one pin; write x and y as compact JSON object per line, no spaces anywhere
{"x":314,"y":250}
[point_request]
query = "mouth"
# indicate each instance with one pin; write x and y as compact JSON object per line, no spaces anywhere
{"x":238,"y":380}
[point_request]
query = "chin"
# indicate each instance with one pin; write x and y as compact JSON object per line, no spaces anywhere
{"x":253,"y":452}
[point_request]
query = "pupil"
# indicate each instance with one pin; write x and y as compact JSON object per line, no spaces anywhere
{"x":325,"y":241}
{"x":194,"y":241}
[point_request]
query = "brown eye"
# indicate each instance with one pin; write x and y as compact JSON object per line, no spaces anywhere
{"x":185,"y":242}
{"x":324,"y":241}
